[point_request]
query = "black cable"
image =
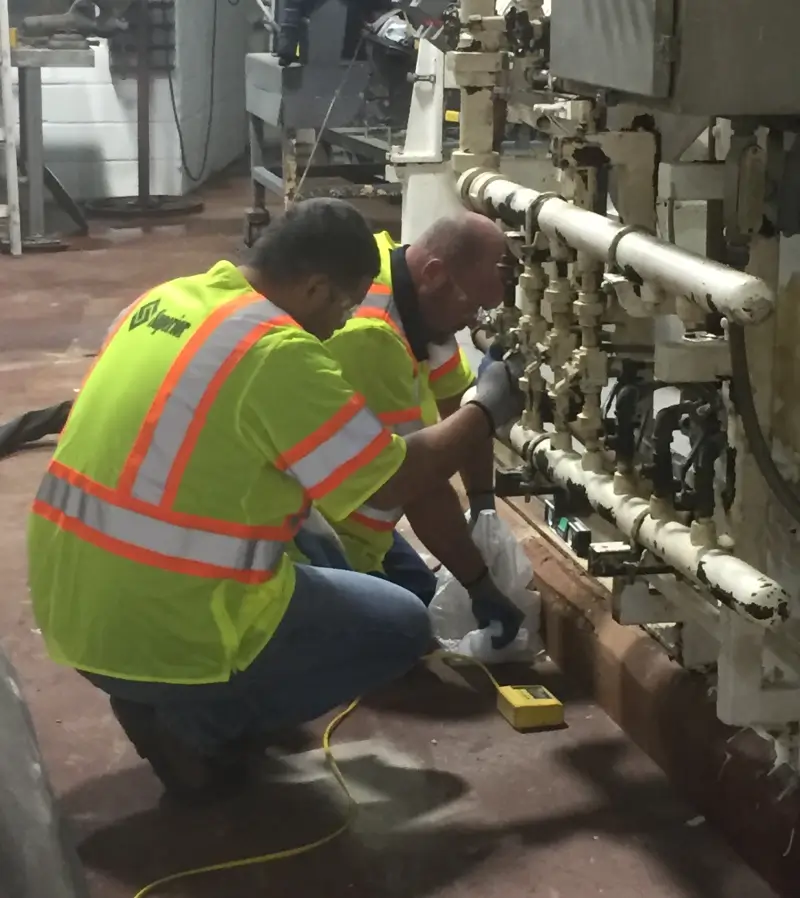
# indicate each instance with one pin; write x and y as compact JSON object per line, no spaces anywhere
{"x":745,"y":406}
{"x":211,"y":90}
{"x":691,"y":458}
{"x":32,"y":427}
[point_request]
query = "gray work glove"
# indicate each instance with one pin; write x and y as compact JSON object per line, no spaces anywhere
{"x":497,"y":391}
{"x":489,"y":604}
{"x":478,"y":502}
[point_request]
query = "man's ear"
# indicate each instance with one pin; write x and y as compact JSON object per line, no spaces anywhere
{"x":434,"y":273}
{"x":317,"y":289}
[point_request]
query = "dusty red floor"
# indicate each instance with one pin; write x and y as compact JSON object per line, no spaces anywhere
{"x":455,"y":803}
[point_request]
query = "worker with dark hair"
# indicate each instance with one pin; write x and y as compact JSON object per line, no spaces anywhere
{"x":211,"y":422}
{"x":399,"y":351}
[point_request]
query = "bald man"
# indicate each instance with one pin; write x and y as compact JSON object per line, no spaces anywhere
{"x":399,"y":350}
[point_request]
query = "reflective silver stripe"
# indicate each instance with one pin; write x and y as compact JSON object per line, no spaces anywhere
{"x":179,"y":410}
{"x":405,"y":428}
{"x":382,"y":517}
{"x":144,"y":532}
{"x":439,"y":354}
{"x":402,"y":429}
{"x":386,"y":302}
{"x":348,"y":442}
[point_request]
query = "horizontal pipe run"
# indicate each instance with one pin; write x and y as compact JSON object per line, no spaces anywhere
{"x":640,"y":257}
{"x":732,"y":581}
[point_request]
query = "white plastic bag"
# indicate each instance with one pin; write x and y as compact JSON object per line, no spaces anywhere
{"x":451,"y":610}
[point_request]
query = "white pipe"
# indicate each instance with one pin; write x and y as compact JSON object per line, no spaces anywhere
{"x":10,"y":146}
{"x":735,"y":583}
{"x":740,"y":297}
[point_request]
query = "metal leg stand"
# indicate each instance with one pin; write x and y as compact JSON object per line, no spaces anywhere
{"x":145,"y":204}
{"x":289,"y":167}
{"x":257,"y":216}
{"x":32,"y":147}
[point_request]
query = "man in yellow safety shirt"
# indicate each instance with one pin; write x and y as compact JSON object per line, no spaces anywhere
{"x":399,"y":351}
{"x":210,"y":423}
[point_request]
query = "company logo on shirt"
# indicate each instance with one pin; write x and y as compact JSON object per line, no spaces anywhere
{"x":157,"y":321}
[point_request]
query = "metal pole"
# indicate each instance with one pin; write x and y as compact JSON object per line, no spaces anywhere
{"x":32,"y":145}
{"x":9,"y":146}
{"x":713,"y":287}
{"x":143,"y":102}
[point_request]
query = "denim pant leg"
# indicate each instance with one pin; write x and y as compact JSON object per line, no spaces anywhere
{"x":404,"y":566}
{"x":343,"y":635}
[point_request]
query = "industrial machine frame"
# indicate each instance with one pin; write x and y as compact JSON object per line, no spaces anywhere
{"x":652,"y":386}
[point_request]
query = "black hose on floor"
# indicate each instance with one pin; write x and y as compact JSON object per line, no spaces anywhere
{"x":32,"y":427}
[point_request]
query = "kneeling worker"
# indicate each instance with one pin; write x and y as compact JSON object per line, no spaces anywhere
{"x":212,"y":419}
{"x":399,"y":351}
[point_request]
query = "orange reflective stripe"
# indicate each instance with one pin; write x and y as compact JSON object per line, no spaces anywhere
{"x":135,"y":519}
{"x":352,"y":466}
{"x":369,"y":517}
{"x":402,"y":416}
{"x":145,"y":556}
{"x":204,"y":406}
{"x":171,"y":426}
{"x":198,"y":338}
{"x":323,"y":433}
{"x":443,"y":359}
{"x":280,"y":532}
{"x":379,"y":303}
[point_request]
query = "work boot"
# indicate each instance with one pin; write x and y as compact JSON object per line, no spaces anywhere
{"x":185,"y":773}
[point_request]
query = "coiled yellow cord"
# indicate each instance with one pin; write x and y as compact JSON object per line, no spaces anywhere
{"x":352,"y":808}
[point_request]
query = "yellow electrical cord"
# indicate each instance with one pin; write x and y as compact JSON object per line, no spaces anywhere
{"x":352,"y":808}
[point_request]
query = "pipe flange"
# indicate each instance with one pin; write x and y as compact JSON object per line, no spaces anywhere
{"x":534,"y":444}
{"x":466,"y":183}
{"x":466,"y":180}
{"x":612,"y":264}
{"x":532,"y":214}
{"x":637,"y":525}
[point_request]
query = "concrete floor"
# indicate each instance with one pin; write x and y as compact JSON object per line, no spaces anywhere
{"x":455,"y":803}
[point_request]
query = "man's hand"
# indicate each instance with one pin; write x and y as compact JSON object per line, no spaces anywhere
{"x":478,"y":502}
{"x":489,"y":604}
{"x":497,"y":391}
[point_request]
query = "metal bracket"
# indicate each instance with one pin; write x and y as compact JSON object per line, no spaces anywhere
{"x":620,"y":559}
{"x":516,"y":483}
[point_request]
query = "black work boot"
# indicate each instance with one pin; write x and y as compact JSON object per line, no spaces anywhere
{"x":185,"y":774}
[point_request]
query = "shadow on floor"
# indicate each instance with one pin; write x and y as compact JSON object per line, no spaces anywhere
{"x":386,"y":855}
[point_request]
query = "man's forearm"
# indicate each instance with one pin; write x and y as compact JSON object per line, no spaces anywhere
{"x":433,"y":455}
{"x":477,"y":471}
{"x":438,"y":521}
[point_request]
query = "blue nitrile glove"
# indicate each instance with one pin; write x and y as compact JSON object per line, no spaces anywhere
{"x":478,"y":502}
{"x":489,"y":604}
{"x":495,"y":354}
{"x":497,"y":390}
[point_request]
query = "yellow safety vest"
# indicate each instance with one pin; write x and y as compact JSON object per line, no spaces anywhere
{"x":402,"y":392}
{"x":207,"y":425}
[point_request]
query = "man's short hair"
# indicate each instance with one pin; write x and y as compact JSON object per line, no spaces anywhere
{"x":319,"y":236}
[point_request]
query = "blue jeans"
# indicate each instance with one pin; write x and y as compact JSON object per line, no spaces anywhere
{"x":344,"y":634}
{"x":402,"y":564}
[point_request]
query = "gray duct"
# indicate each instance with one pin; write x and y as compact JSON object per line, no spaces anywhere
{"x":37,"y":859}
